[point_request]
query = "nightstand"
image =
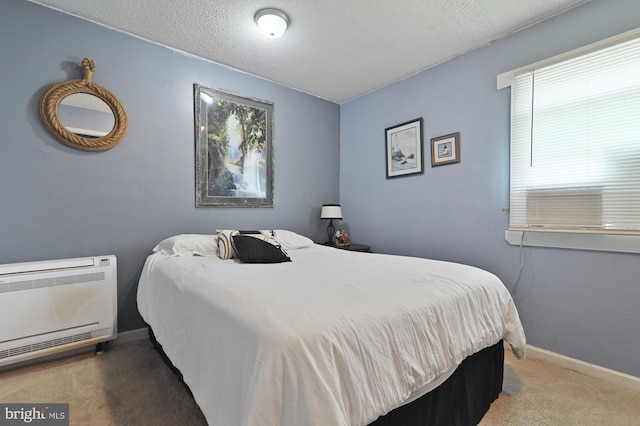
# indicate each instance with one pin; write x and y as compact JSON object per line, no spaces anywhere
{"x":356,"y":247}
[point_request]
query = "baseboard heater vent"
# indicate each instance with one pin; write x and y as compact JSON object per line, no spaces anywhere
{"x":48,"y":344}
{"x":57,"y":305}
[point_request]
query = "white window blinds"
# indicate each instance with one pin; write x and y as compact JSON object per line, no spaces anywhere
{"x":575,"y":143}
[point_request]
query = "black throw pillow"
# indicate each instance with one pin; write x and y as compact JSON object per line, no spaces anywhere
{"x":258,"y":249}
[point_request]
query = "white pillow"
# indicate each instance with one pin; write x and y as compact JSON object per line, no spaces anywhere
{"x":188,"y":245}
{"x":290,"y":240}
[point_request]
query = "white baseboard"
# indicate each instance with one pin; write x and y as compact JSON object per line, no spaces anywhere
{"x":608,"y":375}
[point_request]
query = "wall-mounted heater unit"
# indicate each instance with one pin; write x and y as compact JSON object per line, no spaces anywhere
{"x":56,"y":305}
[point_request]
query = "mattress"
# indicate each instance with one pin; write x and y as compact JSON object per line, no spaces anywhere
{"x":331,"y":338}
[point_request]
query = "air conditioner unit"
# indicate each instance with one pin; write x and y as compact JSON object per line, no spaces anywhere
{"x":56,"y":305}
{"x":565,"y":207}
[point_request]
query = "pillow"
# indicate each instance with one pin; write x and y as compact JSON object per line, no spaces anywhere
{"x":290,"y":240}
{"x":226,"y":248}
{"x":258,"y":248}
{"x":188,"y":245}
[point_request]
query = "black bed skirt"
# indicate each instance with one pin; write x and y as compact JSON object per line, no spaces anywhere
{"x":462,"y":400}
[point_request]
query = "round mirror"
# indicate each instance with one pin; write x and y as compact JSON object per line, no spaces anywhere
{"x":83,"y":114}
{"x":86,"y":115}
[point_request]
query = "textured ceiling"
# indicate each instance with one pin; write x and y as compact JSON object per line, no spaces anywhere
{"x":334,"y":49}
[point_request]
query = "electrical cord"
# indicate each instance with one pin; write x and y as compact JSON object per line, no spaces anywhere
{"x":515,"y":286}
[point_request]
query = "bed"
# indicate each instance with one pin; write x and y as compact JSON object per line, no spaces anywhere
{"x":326,"y":337}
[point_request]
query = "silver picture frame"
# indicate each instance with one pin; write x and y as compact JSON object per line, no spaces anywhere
{"x":233,"y":149}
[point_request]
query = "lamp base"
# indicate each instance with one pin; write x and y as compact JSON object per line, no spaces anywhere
{"x":331,"y":230}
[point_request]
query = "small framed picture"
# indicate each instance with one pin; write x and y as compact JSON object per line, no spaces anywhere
{"x":445,"y":149}
{"x":403,"y":147}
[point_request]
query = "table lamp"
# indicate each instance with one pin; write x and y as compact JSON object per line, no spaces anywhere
{"x":331,"y":211}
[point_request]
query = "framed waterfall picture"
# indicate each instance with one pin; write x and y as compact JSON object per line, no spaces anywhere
{"x":234,"y":149}
{"x":403,"y":149}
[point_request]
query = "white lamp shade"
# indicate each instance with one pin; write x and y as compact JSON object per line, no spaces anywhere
{"x":272,"y":22}
{"x":331,"y":211}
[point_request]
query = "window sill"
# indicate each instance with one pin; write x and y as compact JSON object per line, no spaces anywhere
{"x":576,"y":241}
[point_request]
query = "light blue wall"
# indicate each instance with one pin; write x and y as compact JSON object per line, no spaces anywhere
{"x":578,"y":303}
{"x":57,"y":202}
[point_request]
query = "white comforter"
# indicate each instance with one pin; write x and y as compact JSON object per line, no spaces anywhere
{"x":331,"y":338}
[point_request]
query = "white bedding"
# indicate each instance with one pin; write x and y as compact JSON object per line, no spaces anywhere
{"x":332,"y":338}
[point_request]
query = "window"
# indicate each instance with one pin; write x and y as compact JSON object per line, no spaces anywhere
{"x":575,"y":141}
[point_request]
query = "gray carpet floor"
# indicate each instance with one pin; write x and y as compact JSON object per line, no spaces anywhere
{"x":130,"y":385}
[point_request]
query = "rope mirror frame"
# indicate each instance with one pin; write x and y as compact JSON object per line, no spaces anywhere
{"x":56,"y":93}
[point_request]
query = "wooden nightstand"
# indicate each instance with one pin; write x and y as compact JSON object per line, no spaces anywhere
{"x":356,"y":247}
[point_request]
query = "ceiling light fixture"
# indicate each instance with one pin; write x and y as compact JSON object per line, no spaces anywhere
{"x":272,"y":22}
